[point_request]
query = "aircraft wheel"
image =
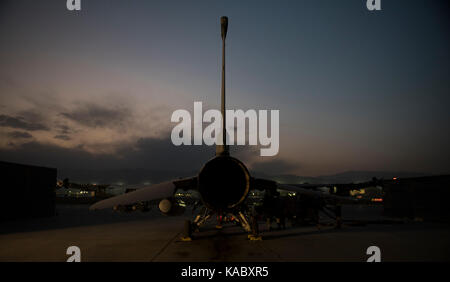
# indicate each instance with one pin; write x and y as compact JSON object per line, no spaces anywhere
{"x":187,"y":230}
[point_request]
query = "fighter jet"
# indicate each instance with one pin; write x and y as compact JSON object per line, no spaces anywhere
{"x":223,"y":184}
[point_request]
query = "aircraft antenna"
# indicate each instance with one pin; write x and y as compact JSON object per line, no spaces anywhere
{"x":223,"y":149}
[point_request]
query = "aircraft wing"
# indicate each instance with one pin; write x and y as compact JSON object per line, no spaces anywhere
{"x":306,"y":189}
{"x":313,"y":193}
{"x":148,"y":193}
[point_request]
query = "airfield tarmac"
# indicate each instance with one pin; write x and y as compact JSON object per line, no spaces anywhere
{"x":112,"y":236}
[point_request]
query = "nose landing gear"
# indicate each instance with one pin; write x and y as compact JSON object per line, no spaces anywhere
{"x":187,"y":231}
{"x":249,"y":224}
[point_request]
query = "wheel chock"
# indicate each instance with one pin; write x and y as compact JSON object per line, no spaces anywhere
{"x":254,"y":238}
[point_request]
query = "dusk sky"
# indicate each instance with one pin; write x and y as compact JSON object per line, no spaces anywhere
{"x":356,"y":90}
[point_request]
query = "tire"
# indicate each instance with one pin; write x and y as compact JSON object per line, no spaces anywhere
{"x":187,"y":230}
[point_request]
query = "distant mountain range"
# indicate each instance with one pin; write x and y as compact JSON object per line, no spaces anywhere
{"x":139,"y":176}
{"x":343,"y":177}
{"x":122,"y":176}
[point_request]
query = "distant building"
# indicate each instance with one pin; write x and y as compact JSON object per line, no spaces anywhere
{"x":423,"y":198}
{"x":27,"y":191}
{"x":73,"y":192}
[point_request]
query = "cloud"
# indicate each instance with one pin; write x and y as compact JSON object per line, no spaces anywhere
{"x":94,"y":115}
{"x":62,"y":137}
{"x":20,"y":134}
{"x":101,"y":123}
{"x":63,"y":129}
{"x":150,"y":159}
{"x":20,"y":123}
{"x":147,"y":159}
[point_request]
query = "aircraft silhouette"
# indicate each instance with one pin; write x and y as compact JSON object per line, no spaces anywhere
{"x":223,"y":183}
